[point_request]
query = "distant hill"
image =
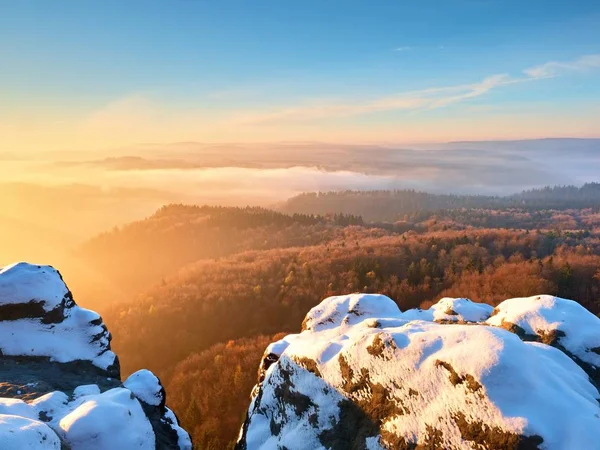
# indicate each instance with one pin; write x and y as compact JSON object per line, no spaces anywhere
{"x":142,"y":253}
{"x":394,"y":205}
{"x":562,"y":146}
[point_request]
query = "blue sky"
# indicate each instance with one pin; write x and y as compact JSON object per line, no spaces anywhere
{"x":73,"y":72}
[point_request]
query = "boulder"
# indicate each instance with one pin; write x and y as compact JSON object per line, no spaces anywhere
{"x":461,"y":375}
{"x":60,"y":383}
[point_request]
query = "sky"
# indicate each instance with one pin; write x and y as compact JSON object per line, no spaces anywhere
{"x":78,"y":75}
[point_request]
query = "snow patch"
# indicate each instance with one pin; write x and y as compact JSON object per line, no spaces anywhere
{"x":42,"y":327}
{"x":184,"y":440}
{"x":20,"y":433}
{"x":112,"y":420}
{"x":552,"y":318}
{"x":146,"y":387}
{"x":23,"y":283}
{"x":349,"y":310}
{"x":451,"y":310}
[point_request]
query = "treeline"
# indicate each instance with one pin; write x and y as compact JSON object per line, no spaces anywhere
{"x":589,"y":193}
{"x":580,"y":221}
{"x":394,"y":205}
{"x":248,"y":217}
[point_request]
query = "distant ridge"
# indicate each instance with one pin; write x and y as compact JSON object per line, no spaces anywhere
{"x":392,"y":205}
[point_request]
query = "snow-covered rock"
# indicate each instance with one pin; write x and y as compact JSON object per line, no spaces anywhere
{"x":21,"y":433}
{"x":562,"y":323}
{"x":460,"y":375}
{"x":146,"y":387}
{"x":60,"y":384}
{"x":111,"y":420}
{"x":451,"y":310}
{"x":37,"y":307}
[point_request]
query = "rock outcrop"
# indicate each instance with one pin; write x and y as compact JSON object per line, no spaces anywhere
{"x":460,"y":375}
{"x":60,"y":385}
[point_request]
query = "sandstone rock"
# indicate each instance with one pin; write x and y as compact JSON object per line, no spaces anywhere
{"x":60,"y":384}
{"x":363,"y":375}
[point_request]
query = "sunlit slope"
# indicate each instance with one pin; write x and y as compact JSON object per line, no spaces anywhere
{"x":141,"y":254}
{"x":267,"y":291}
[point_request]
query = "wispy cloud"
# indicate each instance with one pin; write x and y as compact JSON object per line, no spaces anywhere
{"x":406,"y":48}
{"x":411,"y":101}
{"x":555,"y":68}
{"x":138,"y":118}
{"x":415,"y":101}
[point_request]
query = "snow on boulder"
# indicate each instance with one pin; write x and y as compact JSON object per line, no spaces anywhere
{"x":28,"y":284}
{"x":37,"y":306}
{"x":90,"y":419}
{"x":348,"y":310}
{"x":184,"y":440}
{"x":146,"y":387}
{"x":20,"y":433}
{"x":111,"y":420}
{"x":555,"y":321}
{"x":443,"y":378}
{"x":60,"y":384}
{"x":451,"y":310}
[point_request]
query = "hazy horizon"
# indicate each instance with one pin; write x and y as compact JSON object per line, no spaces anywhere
{"x":97,"y":75}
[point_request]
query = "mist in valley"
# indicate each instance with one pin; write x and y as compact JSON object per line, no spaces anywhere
{"x":52,"y":202}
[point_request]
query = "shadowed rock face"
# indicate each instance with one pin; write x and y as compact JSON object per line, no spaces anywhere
{"x":363,"y":375}
{"x":59,"y":377}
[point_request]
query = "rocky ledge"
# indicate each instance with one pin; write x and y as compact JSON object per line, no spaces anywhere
{"x":60,"y":385}
{"x":460,"y":375}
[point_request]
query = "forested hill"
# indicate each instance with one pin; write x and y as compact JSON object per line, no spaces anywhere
{"x":206,"y":288}
{"x":396,"y":205}
{"x":136,"y":256}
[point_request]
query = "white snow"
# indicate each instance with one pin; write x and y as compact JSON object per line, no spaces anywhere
{"x":88,"y":419}
{"x":53,"y":404}
{"x":146,"y":387}
{"x":86,"y":389}
{"x":349,"y":310}
{"x":184,"y":440}
{"x":451,"y":310}
{"x":525,"y":388}
{"x":20,"y":433}
{"x":67,"y":341}
{"x":23,"y":282}
{"x":544,"y":313}
{"x":111,"y":420}
{"x":79,"y":336}
{"x":278,"y":347}
{"x":16,"y":407}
